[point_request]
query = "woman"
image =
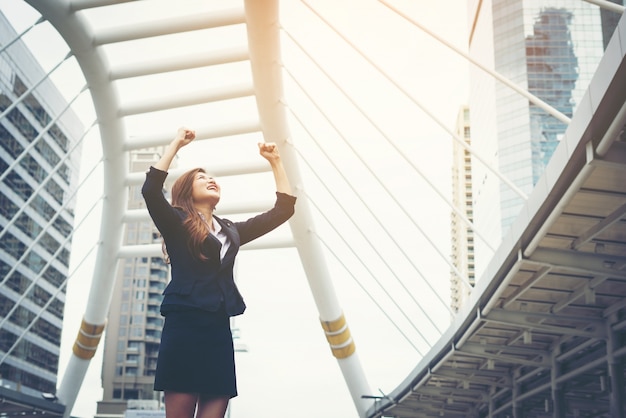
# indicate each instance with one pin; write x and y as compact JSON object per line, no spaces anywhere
{"x":196,"y":367}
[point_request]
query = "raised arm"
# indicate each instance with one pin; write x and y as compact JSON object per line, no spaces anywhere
{"x":269,"y":151}
{"x":183,"y":137}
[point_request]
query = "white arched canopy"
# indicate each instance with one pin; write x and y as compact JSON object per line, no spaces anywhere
{"x":88,"y":45}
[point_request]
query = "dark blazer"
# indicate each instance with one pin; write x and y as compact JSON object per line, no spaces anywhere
{"x":198,"y":284}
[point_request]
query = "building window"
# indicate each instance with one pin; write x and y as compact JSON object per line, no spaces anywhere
{"x":58,"y":136}
{"x":12,"y":246}
{"x":54,"y":276}
{"x":22,"y":124}
{"x":18,"y":185}
{"x":7,"y":208}
{"x":133,"y":346}
{"x":9,"y":143}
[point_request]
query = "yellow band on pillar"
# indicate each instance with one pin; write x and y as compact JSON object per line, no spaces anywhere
{"x":339,"y":338}
{"x":333,"y":326}
{"x":87,"y":340}
{"x":344,"y":352}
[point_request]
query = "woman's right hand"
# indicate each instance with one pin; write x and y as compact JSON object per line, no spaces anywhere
{"x":184,"y":136}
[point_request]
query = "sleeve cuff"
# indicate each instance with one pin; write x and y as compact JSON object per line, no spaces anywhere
{"x":286,"y":198}
{"x":155,"y":172}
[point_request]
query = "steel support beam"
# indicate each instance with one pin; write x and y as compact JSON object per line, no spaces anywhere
{"x":615,"y":366}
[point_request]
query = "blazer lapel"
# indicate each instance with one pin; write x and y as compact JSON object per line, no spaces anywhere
{"x":231,"y":232}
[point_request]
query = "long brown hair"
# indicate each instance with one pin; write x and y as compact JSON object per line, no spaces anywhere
{"x":195,"y":225}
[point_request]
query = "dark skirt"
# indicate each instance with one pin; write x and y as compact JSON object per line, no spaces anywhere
{"x":196,"y":354}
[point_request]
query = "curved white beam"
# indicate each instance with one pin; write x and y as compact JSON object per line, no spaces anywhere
{"x":182,"y":62}
{"x":76,"y":5}
{"x":156,"y":250}
{"x":264,"y":46}
{"x":222,"y":169}
{"x":200,"y":96}
{"x":257,"y":206}
{"x":231,"y":129}
{"x":78,"y":35}
{"x":169,"y":26}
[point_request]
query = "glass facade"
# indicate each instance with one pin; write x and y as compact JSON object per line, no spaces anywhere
{"x":38,"y":179}
{"x":551,"y":48}
{"x":552,"y":75}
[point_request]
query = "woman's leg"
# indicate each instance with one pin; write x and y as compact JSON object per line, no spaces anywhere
{"x":211,"y":407}
{"x":180,"y":405}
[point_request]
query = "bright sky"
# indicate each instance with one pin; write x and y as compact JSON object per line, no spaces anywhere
{"x":288,"y":370}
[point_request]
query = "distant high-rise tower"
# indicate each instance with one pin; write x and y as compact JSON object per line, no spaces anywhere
{"x":134,"y":323}
{"x":39,"y":163}
{"x":551,"y":48}
{"x":462,"y":198}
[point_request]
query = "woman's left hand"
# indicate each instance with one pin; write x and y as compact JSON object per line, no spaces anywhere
{"x":269,"y":151}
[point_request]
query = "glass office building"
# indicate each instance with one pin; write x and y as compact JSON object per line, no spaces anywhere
{"x":550,"y":48}
{"x":39,"y":163}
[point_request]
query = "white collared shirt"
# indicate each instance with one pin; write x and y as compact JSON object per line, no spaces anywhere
{"x":216,"y":229}
{"x":221,"y":236}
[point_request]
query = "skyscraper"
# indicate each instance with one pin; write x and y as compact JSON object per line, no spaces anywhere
{"x":462,"y":234}
{"x":39,"y":163}
{"x":134,"y":323}
{"x":550,"y":48}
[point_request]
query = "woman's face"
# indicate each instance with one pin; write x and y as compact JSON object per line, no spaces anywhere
{"x":205,"y":190}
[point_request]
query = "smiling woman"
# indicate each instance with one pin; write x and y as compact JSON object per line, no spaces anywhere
{"x":196,"y":362}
